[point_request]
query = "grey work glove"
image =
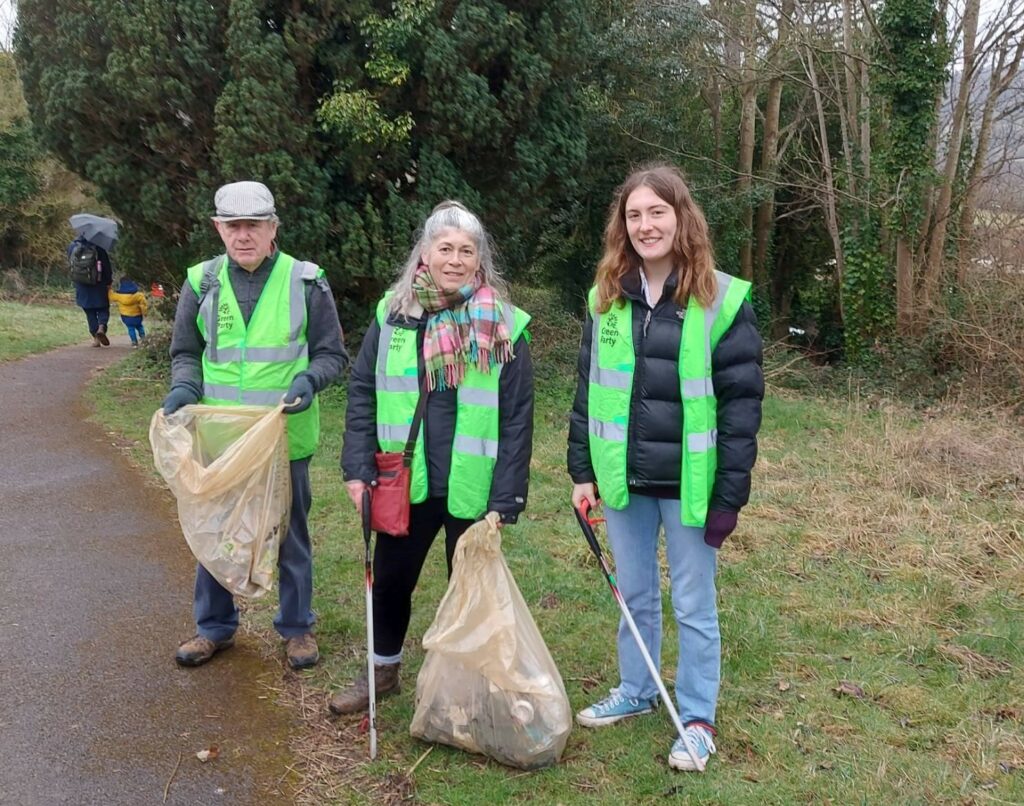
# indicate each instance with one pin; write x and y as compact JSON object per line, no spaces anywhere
{"x":300,"y":390}
{"x":179,"y":396}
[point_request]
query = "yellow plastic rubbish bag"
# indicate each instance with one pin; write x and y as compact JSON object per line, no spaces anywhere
{"x":488,"y":684}
{"x":228,"y":468}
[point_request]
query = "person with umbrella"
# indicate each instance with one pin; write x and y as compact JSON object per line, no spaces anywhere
{"x":92,"y":271}
{"x":255,"y":326}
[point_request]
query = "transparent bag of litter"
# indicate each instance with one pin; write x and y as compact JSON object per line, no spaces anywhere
{"x":488,"y":684}
{"x":228,"y":468}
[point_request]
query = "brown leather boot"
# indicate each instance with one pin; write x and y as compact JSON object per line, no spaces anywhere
{"x":197,"y":650}
{"x":302,"y":651}
{"x":356,"y":697}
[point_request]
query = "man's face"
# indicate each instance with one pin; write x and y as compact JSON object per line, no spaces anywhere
{"x":247,"y":241}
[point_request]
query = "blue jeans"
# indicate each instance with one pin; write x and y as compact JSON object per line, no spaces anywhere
{"x":135,"y":328}
{"x":633,"y":535}
{"x":97,"y":317}
{"x":214,"y":607}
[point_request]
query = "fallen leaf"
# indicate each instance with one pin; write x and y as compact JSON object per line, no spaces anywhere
{"x":784,"y":685}
{"x":848,"y":689}
{"x":1007,"y":767}
{"x":825,"y":765}
{"x":209,"y":754}
{"x":752,"y":777}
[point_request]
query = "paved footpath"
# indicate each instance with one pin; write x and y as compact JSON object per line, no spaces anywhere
{"x":95,"y":594}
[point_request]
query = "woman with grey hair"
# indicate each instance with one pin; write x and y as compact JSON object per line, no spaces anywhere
{"x":445,"y":330}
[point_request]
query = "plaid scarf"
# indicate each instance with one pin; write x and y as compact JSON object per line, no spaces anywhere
{"x":463,"y":327}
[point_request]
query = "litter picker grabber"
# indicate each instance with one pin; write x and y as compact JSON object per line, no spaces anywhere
{"x":587,"y":525}
{"x":371,"y":678}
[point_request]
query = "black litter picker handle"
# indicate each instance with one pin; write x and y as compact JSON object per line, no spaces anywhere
{"x":367,"y":502}
{"x":587,"y":525}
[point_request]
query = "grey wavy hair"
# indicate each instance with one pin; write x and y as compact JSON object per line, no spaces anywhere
{"x":449,"y":214}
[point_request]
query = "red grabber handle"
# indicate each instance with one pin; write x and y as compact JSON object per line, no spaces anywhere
{"x":587,"y":523}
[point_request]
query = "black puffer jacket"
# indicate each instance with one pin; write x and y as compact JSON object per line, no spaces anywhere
{"x":654,"y":448}
{"x":515,"y":437}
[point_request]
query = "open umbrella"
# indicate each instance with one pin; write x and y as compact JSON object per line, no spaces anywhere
{"x":95,"y":229}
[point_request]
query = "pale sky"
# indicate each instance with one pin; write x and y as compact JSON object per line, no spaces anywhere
{"x":6,"y":23}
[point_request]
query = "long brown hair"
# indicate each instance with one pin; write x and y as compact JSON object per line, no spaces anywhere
{"x":691,"y":248}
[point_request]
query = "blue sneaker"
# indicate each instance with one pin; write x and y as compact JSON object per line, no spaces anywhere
{"x":700,"y":740}
{"x":613,"y":708}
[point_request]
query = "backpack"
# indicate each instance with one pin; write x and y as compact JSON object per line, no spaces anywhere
{"x":84,"y":263}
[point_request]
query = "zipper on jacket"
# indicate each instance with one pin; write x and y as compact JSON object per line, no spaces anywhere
{"x":638,"y":382}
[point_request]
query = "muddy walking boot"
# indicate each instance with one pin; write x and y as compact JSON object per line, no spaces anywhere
{"x":101,"y":336}
{"x":302,"y":651}
{"x":356,"y":697}
{"x":197,"y":650}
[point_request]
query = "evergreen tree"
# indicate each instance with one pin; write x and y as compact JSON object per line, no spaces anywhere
{"x":360,"y":116}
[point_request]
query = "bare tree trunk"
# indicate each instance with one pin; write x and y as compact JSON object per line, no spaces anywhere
{"x":712,"y":97}
{"x":763,"y":225}
{"x":935,"y":253}
{"x":1000,"y":78}
{"x":829,"y":201}
{"x":865,"y":129}
{"x":848,"y":116}
{"x":748,"y":119}
{"x":905,"y":313}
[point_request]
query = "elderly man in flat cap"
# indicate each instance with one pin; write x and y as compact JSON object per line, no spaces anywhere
{"x":254,"y":326}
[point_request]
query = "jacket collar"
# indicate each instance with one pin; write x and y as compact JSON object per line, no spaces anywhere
{"x":632,"y":285}
{"x":416,"y":317}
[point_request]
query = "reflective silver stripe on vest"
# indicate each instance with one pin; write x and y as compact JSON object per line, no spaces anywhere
{"x":613,"y":432}
{"x":475,"y":446}
{"x":397,"y":383}
{"x":478,"y":397}
{"x":610,"y":378}
{"x":209,"y":304}
{"x":266,"y":355}
{"x":251,"y":397}
{"x":510,"y":319}
{"x":301,"y":271}
{"x":382,"y":378}
{"x":704,"y":441}
{"x":711,"y":314}
{"x":392,"y":433}
{"x":698,"y":387}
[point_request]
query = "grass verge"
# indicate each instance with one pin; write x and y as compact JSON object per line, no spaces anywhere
{"x":872,"y":608}
{"x":26,"y":329}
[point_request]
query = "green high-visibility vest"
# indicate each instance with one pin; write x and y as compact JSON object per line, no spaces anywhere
{"x":254,"y":364}
{"x":612,"y":362}
{"x":475,"y":447}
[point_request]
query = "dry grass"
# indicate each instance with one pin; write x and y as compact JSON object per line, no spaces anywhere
{"x":332,"y":764}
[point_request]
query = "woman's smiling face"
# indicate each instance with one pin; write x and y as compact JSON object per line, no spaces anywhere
{"x":453,"y":259}
{"x":651,"y":224}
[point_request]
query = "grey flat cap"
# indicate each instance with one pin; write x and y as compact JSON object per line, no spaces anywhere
{"x":244,"y":200}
